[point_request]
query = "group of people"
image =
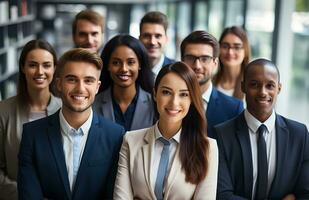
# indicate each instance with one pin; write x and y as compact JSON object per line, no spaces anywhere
{"x":124,"y":121}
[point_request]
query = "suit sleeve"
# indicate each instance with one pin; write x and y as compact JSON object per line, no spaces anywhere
{"x":8,"y":187}
{"x":123,"y":188}
{"x":109,"y":186}
{"x":207,"y":189}
{"x":28,"y":182}
{"x":225,"y":188}
{"x":302,"y":186}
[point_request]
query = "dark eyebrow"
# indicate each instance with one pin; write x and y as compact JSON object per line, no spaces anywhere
{"x":183,"y":90}
{"x":70,"y":76}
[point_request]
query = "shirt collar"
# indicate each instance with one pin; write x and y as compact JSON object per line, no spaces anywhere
{"x":66,"y":128}
{"x":158,"y":66}
{"x":158,"y":134}
{"x":254,"y":123}
{"x":207,"y":93}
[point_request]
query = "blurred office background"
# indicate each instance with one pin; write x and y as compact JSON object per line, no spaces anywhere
{"x":277,"y":29}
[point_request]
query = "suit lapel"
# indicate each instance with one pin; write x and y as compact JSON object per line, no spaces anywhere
{"x":244,"y":140}
{"x":147,"y":151}
{"x":107,"y":105}
{"x":282,"y":137}
{"x":212,"y":107}
{"x":141,"y":106}
{"x":54,"y":135}
{"x":174,"y":171}
{"x":93,"y":134}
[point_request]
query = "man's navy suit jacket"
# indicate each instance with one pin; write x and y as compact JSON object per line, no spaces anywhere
{"x":42,"y":167}
{"x":235,"y":179}
{"x":167,"y":61}
{"x":220,"y":109}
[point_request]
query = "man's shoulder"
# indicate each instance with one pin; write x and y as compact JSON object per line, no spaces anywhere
{"x":168,"y":61}
{"x":291,"y":125}
{"x":107,"y":124}
{"x":227,"y":99}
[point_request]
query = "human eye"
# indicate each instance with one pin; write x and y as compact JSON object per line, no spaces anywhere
{"x":116,"y":62}
{"x":271,"y":86}
{"x":131,"y":62}
{"x":32,"y":64}
{"x":158,"y":36}
{"x":184,"y":94}
{"x":253,"y":84}
{"x":71,"y":79}
{"x":190,"y":58}
{"x":238,"y":47}
{"x":205,"y":59}
{"x":224,"y":45}
{"x":166,"y":92}
{"x":47,"y":65}
{"x":89,"y":81}
{"x":94,"y":34}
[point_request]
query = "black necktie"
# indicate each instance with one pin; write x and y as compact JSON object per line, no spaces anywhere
{"x":262,"y":175}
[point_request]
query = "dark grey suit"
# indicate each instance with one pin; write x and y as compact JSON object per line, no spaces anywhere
{"x":144,"y":115}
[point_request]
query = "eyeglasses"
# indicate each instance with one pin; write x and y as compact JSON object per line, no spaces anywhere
{"x":190,"y":59}
{"x":235,"y":47}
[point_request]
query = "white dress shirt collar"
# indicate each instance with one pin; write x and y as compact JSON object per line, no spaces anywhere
{"x":158,"y":134}
{"x":66,"y":128}
{"x":254,"y":123}
{"x":158,"y":66}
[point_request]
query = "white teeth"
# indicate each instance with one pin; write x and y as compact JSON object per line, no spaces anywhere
{"x":172,"y":111}
{"x":124,"y":77}
{"x":78,"y":97}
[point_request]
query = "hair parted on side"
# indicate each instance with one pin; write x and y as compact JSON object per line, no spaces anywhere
{"x":154,"y":17}
{"x":90,"y":16}
{"x":79,"y":55}
{"x":22,"y":91}
{"x":194,"y":145}
{"x":200,"y":37}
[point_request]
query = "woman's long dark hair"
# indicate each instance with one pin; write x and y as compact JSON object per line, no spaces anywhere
{"x":145,"y":77}
{"x":22,"y":90}
{"x":242,"y":35}
{"x":194,"y":145}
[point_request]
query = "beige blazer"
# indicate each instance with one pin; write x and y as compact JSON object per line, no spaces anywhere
{"x":134,"y":171}
{"x":12,"y":118}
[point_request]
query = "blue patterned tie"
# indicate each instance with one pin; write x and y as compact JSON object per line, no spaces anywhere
{"x":162,"y":169}
{"x":77,"y":138}
{"x":262,"y":176}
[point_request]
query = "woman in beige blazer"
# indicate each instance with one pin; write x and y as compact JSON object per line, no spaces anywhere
{"x":189,"y":169}
{"x":33,"y":101}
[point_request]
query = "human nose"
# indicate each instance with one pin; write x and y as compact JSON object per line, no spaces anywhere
{"x":90,"y":39}
{"x":124,"y":67}
{"x":153,"y":40}
{"x":39,"y":70}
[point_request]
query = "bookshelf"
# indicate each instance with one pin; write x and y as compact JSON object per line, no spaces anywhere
{"x":16,"y":29}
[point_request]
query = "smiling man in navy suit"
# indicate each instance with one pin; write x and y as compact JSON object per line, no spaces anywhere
{"x":72,"y":154}
{"x":200,"y":50}
{"x":153,"y":34}
{"x":262,"y":155}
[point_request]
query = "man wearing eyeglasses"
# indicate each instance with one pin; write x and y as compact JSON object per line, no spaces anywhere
{"x":200,"y":50}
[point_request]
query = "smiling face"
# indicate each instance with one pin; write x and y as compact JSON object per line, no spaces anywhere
{"x":154,"y":38}
{"x":203,"y":71}
{"x":78,"y":85}
{"x":39,"y":69}
{"x":232,"y":51}
{"x":88,"y":35}
{"x":123,"y":67}
{"x":261,"y":87}
{"x":173,"y":99}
